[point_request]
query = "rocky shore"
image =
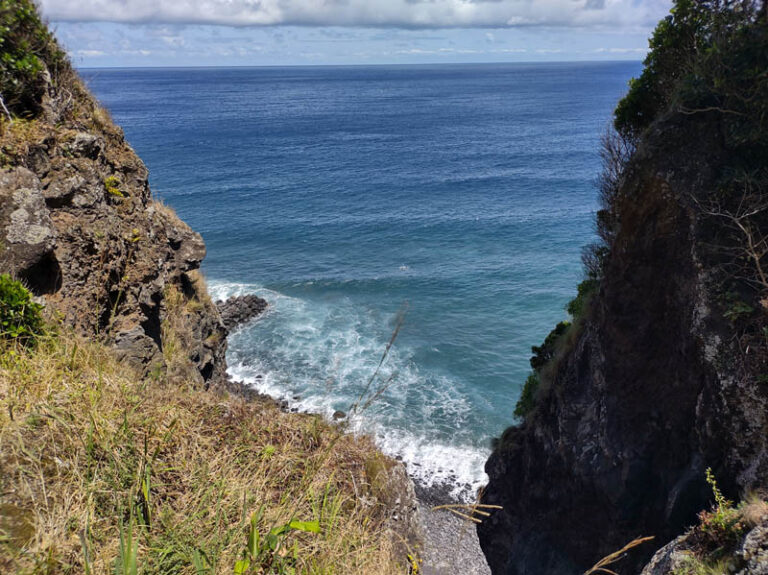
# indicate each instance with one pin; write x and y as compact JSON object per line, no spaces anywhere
{"x":238,"y":310}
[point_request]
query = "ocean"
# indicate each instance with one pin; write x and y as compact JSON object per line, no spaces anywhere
{"x":451,"y":201}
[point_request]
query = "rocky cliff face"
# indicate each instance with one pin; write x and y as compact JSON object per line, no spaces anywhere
{"x":654,"y":388}
{"x":79,"y":226}
{"x":663,"y":374}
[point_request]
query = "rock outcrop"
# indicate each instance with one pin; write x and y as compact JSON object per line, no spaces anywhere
{"x":238,"y":310}
{"x":662,"y":374}
{"x":651,"y":392}
{"x":679,"y":556}
{"x":79,"y":226}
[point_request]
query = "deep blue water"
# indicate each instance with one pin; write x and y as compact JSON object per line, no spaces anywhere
{"x":341,"y":193}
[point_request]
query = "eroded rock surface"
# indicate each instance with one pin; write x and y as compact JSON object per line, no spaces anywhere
{"x":653,"y":389}
{"x":238,"y":310}
{"x":79,"y":226}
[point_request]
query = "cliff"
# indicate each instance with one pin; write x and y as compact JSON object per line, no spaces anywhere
{"x":662,"y":376}
{"x":79,"y":226}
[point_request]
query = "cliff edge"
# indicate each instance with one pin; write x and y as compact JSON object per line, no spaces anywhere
{"x":661,"y":375}
{"x":79,"y":226}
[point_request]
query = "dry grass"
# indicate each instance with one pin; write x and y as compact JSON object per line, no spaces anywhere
{"x":88,"y":451}
{"x":753,"y":511}
{"x":609,"y":560}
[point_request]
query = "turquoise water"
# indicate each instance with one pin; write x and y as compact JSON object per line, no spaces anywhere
{"x":461,"y":195}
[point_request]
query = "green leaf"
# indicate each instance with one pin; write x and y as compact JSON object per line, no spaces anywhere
{"x":241,"y":567}
{"x":306,"y":526}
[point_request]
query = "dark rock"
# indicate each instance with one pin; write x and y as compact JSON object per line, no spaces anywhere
{"x":139,"y":350}
{"x":105,"y":261}
{"x":60,"y":191}
{"x":239,"y":309}
{"x":27,"y":234}
{"x":749,"y":558}
{"x":644,"y":398}
{"x":337,"y":415}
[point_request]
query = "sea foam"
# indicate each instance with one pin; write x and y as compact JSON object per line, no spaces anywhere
{"x":320,"y":357}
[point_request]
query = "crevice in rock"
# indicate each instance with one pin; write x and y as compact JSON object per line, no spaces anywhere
{"x":44,"y":277}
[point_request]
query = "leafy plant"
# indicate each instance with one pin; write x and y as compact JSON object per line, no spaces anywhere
{"x":112,"y":185}
{"x":528,"y":395}
{"x":127,"y":560}
{"x":27,"y":50}
{"x":20,"y":317}
{"x":738,"y":309}
{"x":721,"y":526}
{"x":266,"y":554}
{"x":578,"y":305}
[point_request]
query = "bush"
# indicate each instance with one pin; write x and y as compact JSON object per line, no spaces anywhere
{"x":707,"y":55}
{"x":542,"y":354}
{"x":20,"y":317}
{"x":27,"y":50}
{"x":578,"y":305}
{"x":527,"y":399}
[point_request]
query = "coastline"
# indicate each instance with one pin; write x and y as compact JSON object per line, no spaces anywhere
{"x":449,"y":544}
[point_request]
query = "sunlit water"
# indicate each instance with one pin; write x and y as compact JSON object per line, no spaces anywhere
{"x":344,"y":195}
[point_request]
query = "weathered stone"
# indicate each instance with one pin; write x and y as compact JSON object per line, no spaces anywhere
{"x":60,"y":191}
{"x":27,"y":235}
{"x":138,"y":350}
{"x":644,"y":397}
{"x":87,"y":145}
{"x":104,"y":260}
{"x":749,"y":558}
{"x":240,"y":309}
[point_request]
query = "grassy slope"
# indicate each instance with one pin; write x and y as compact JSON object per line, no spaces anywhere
{"x":101,"y":471}
{"x":88,"y":450}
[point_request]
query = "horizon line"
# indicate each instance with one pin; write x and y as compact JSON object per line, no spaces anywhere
{"x":370,"y":65}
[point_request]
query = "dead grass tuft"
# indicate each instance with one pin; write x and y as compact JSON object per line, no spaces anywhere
{"x":98,"y":465}
{"x":753,"y":511}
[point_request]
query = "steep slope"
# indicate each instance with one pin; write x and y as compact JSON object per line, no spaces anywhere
{"x":663,"y":375}
{"x":77,"y":220}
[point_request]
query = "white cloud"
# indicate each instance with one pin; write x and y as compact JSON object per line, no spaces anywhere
{"x":376,"y":13}
{"x":90,"y":53}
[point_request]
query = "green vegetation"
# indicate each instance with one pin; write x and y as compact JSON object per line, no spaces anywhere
{"x":20,"y":317}
{"x":544,"y":358}
{"x":27,"y":51}
{"x":527,"y":400}
{"x":578,"y":305}
{"x":707,"y":61}
{"x":722,"y":525}
{"x":112,"y":185}
{"x":707,"y":56}
{"x":106,"y":473}
{"x":711,"y":543}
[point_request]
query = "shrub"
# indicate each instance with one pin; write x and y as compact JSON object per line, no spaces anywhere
{"x":527,"y":399}
{"x":20,"y":317}
{"x":543,"y":353}
{"x":707,"y":55}
{"x":27,"y":50}
{"x":578,"y":305}
{"x":112,"y":185}
{"x":721,"y":527}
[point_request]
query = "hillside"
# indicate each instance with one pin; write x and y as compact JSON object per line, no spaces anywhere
{"x":661,"y":374}
{"x":123,"y":446}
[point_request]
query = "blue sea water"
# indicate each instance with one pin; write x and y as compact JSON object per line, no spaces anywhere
{"x":459,"y":195}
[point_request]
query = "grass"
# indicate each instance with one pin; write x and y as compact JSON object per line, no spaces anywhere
{"x":103,"y":472}
{"x":720,"y":531}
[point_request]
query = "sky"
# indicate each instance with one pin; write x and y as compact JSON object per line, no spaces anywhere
{"x":109,"y":33}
